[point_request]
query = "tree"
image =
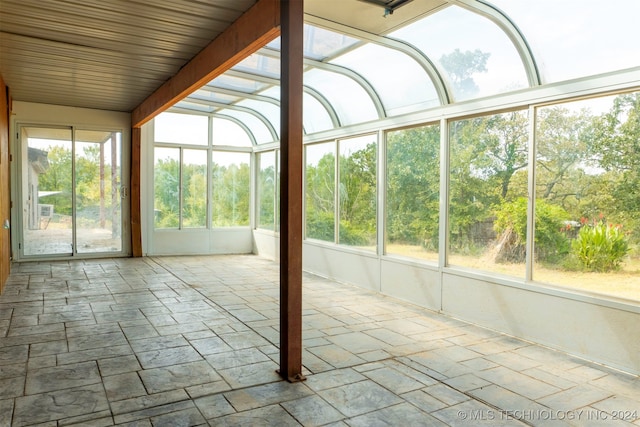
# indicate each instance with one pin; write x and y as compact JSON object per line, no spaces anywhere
{"x":357,"y":195}
{"x":561,"y":150}
{"x":615,"y":143}
{"x":58,"y":178}
{"x":194,"y":195}
{"x":461,"y":66}
{"x":413,"y":186}
{"x":506,"y":145}
{"x":320,"y":198}
{"x":167,"y":193}
{"x":230,"y":194}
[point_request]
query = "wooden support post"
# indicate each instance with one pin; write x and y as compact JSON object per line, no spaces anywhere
{"x":134,"y":194}
{"x":291,"y":19}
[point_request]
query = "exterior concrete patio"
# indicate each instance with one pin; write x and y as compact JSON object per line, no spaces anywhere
{"x":193,"y":341}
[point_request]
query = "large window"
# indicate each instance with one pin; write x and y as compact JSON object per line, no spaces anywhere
{"x":182,"y":129}
{"x":194,"y":188}
{"x":180,"y":184}
{"x":188,"y":179}
{"x":413,"y":191}
{"x":488,"y":188}
{"x":166,"y":185}
{"x":587,"y":185}
{"x":230,"y":185}
{"x":320,"y":176}
{"x":267,"y":190}
{"x":357,"y":191}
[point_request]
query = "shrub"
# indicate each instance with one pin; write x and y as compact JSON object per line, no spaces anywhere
{"x":600,"y":246}
{"x":551,"y":244}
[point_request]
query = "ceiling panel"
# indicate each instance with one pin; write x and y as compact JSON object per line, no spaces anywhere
{"x":107,"y":55}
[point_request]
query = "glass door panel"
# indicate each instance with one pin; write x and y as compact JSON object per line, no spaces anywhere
{"x":47,"y":191}
{"x":97,"y":191}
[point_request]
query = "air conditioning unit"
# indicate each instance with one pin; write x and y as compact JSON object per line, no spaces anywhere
{"x":46,"y":211}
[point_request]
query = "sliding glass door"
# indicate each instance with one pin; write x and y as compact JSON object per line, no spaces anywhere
{"x":71,"y":191}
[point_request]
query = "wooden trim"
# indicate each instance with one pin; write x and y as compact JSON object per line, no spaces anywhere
{"x":255,"y":28}
{"x":291,"y":197}
{"x":134,"y":194}
{"x":5,"y":185}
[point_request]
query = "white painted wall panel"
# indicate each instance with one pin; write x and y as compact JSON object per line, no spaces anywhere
{"x":415,"y":284}
{"x":342,"y":265}
{"x":201,"y":242}
{"x":266,"y":244}
{"x":597,"y":332}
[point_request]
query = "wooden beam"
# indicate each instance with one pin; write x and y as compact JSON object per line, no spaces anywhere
{"x":134,"y":194}
{"x":292,"y":18}
{"x":255,"y":28}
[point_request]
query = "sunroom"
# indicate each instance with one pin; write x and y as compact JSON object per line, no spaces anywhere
{"x":476,"y":158}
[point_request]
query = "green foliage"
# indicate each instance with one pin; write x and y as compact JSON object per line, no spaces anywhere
{"x":600,"y":247}
{"x":357,"y":195}
{"x":486,"y":155}
{"x":562,"y":156}
{"x":266,"y":197}
{"x":413,"y":186}
{"x":616,"y":142}
{"x":167,"y":193}
{"x":354,"y":234}
{"x":551,"y":242}
{"x":320,"y":194}
{"x":321,"y":226}
{"x":58,"y":178}
{"x":230,"y":198}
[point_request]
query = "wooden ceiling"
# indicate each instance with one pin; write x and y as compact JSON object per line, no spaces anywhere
{"x":112,"y":55}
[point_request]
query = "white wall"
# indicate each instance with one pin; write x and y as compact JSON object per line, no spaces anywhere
{"x":34,"y":113}
{"x":587,"y":326}
{"x":200,"y":241}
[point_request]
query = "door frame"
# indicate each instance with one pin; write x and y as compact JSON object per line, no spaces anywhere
{"x":18,"y":236}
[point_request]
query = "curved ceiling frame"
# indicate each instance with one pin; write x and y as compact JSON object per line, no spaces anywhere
{"x":512,"y":31}
{"x":347,"y":72}
{"x":240,"y":123}
{"x":247,"y":110}
{"x":256,"y":97}
{"x":185,"y":110}
{"x":231,"y":92}
{"x":440,"y":84}
{"x":335,"y":120}
{"x":275,"y":82}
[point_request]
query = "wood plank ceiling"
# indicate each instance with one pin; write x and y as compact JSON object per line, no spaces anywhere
{"x":111,"y":55}
{"x":100,"y":54}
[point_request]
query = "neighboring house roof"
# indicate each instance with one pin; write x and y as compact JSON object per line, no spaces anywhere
{"x":38,"y":160}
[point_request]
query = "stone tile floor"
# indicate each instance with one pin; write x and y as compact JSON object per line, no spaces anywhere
{"x":192,"y":341}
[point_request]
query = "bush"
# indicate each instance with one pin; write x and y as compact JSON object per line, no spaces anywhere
{"x":356,"y":234}
{"x":321,"y":226}
{"x":551,"y":244}
{"x":600,"y":247}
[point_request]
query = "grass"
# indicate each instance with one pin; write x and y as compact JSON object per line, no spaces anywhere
{"x":624,"y":283}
